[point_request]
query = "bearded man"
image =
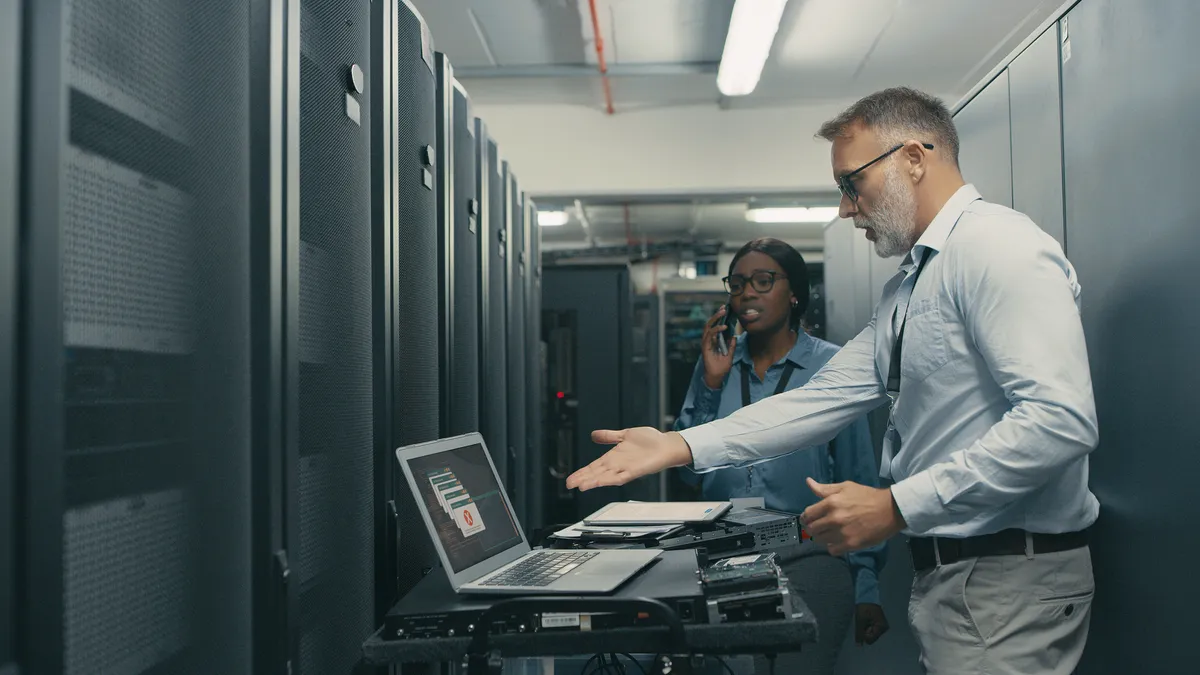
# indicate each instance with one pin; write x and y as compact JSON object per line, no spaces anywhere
{"x":977,"y":346}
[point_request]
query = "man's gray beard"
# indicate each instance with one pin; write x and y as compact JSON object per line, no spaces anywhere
{"x":895,"y":216}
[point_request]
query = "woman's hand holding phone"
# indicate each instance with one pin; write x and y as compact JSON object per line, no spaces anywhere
{"x":717,"y":364}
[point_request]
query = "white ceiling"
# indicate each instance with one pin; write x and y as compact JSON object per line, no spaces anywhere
{"x":825,"y":50}
{"x":536,"y":58}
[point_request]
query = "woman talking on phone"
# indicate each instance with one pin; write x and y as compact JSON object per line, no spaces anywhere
{"x":768,"y":295}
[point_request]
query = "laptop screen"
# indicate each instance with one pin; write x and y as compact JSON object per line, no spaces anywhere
{"x":459,"y":490}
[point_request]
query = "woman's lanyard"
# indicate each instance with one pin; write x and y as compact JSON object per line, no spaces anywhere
{"x":783,"y":381}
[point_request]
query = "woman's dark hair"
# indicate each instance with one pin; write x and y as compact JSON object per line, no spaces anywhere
{"x":790,"y":262}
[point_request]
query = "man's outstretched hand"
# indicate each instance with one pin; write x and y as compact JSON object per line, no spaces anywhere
{"x":639,"y":452}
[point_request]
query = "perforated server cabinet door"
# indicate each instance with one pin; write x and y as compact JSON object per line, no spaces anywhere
{"x":493,"y":252}
{"x":1130,"y":96}
{"x":149,"y":219}
{"x":535,"y":369}
{"x":333,"y":559}
{"x":10,"y":60}
{"x":984,"y":133}
{"x":415,"y":334}
{"x":463,"y":345}
{"x":518,"y":467}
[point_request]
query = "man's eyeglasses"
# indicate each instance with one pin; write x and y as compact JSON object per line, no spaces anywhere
{"x":845,"y":182}
{"x":762,"y":282}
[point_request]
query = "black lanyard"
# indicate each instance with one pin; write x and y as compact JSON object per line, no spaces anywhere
{"x":893,"y":382}
{"x":783,"y":381}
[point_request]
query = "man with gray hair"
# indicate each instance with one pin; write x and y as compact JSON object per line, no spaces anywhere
{"x":978,"y":347}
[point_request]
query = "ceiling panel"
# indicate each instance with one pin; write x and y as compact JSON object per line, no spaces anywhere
{"x":453,"y":33}
{"x":666,"y":31}
{"x":524,"y":32}
{"x":970,"y":39}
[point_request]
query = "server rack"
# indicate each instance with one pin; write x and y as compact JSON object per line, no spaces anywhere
{"x":150,"y":343}
{"x":588,"y":312}
{"x":10,"y":57}
{"x":330,"y":477}
{"x":535,"y":387}
{"x":518,"y":466}
{"x":413,"y":222}
{"x":493,"y":329}
{"x":457,"y":256}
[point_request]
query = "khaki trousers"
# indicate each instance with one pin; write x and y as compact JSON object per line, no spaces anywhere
{"x":1002,"y":615}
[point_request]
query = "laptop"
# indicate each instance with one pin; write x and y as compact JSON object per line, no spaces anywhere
{"x":478,"y":538}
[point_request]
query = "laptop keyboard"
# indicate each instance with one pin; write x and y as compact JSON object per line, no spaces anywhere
{"x":541,"y":569}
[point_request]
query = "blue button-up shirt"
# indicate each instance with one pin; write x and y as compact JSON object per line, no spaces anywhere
{"x":780,"y":482}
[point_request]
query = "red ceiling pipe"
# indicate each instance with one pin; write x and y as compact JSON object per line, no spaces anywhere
{"x":600,"y":56}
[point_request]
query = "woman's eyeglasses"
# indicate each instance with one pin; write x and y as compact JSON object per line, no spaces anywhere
{"x":762,"y":282}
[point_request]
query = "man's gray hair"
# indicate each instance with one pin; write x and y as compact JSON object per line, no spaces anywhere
{"x":897,"y":115}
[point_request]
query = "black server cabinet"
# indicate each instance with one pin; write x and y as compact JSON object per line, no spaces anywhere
{"x":413,"y":222}
{"x":493,"y":330}
{"x":535,"y":369}
{"x":457,"y":256}
{"x":331,"y":475}
{"x":518,"y":459}
{"x":10,"y":58}
{"x":588,"y":311}
{"x":150,"y":337}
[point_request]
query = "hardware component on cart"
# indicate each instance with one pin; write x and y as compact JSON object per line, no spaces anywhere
{"x":764,"y":605}
{"x":742,"y":574}
{"x":740,"y":532}
{"x":432,"y":609}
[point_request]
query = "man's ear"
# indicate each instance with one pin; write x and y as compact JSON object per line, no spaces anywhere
{"x":914,"y":154}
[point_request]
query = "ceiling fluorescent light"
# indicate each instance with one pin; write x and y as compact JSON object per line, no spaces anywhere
{"x":552,"y":218}
{"x":796,"y":214}
{"x":752,"y":29}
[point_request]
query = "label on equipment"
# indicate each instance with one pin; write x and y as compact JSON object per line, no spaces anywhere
{"x":559,"y":620}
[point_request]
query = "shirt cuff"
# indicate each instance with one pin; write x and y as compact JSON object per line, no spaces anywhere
{"x":708,"y":449}
{"x":866,"y":587}
{"x":706,"y":401}
{"x":919,"y":503}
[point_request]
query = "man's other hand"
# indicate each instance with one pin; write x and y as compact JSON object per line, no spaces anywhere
{"x":870,"y":623}
{"x":638,"y":452}
{"x":851,"y":517}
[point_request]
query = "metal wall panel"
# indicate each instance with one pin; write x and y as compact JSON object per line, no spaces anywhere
{"x":10,"y":60}
{"x":1037,"y":185}
{"x":1130,"y":97}
{"x":841,"y":296}
{"x":984,"y":133}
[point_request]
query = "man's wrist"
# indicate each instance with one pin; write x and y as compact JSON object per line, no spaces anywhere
{"x":897,"y":514}
{"x":680,"y":450}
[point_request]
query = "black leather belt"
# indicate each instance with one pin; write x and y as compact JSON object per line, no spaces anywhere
{"x":1004,"y":542}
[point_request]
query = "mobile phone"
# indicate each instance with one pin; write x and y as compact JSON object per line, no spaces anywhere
{"x":730,"y":321}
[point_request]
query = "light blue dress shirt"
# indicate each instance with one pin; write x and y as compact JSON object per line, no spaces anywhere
{"x":995,"y":415}
{"x":780,"y":482}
